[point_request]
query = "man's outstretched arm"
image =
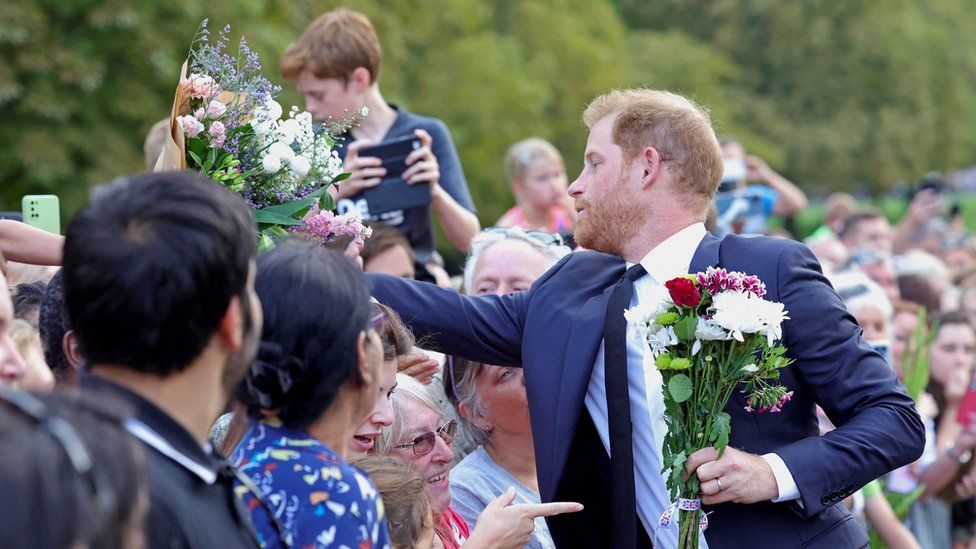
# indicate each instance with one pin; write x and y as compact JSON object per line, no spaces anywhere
{"x":485,"y":328}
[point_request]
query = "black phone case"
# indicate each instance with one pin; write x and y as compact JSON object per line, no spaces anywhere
{"x":393,"y":193}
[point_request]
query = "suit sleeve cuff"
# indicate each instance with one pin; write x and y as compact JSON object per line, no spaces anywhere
{"x":784,"y":479}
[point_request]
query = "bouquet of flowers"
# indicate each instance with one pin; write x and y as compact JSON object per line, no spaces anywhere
{"x":709,"y":334}
{"x":226,"y":124}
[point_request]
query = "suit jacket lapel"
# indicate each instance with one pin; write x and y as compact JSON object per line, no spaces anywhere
{"x":585,"y":337}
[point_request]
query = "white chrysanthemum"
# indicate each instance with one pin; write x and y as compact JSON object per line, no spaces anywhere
{"x":281,"y":150}
{"x":287,"y":131}
{"x":708,"y":330}
{"x":660,"y":339}
{"x":772,"y":314}
{"x":738,"y":313}
{"x":300,"y":165}
{"x":271,"y":163}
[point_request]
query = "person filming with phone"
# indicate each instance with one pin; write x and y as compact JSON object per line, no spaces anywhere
{"x":402,"y":165}
{"x":743,"y":208}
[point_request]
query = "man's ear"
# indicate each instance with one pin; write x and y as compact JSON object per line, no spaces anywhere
{"x":360,"y":79}
{"x":231,"y":326}
{"x":650,"y":161}
{"x":72,"y":354}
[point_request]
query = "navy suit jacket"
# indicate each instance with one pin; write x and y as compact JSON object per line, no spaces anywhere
{"x":555,"y":329}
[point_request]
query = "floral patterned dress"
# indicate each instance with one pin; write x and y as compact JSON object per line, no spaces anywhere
{"x":318,"y":499}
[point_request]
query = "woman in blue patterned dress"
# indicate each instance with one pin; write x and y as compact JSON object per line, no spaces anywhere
{"x":311,"y":385}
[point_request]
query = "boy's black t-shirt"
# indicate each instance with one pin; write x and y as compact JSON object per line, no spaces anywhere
{"x":415,"y":223}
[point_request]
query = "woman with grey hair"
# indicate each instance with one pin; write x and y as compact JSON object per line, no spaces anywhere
{"x":492,"y":401}
{"x":422,"y":436}
{"x":508,"y":259}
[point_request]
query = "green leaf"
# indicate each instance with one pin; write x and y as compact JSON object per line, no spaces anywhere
{"x":195,"y":157}
{"x":680,"y":387}
{"x":721,"y":427}
{"x":272,"y":218}
{"x":341,"y":177}
{"x":265,"y":242}
{"x":685,"y":328}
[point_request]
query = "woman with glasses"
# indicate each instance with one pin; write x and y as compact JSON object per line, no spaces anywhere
{"x":422,"y":436}
{"x":313,"y":382}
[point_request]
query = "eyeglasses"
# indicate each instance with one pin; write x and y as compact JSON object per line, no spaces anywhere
{"x":542,"y":237}
{"x":424,"y":444}
{"x":69,"y":440}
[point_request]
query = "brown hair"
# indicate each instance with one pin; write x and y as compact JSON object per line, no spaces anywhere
{"x":917,"y":289}
{"x":680,"y":130}
{"x":384,"y":237}
{"x":404,"y":491}
{"x":397,"y":339}
{"x":858,"y":217}
{"x":334,"y":45}
{"x":525,"y":152}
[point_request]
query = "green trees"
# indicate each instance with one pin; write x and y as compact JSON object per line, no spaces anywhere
{"x":833,"y":94}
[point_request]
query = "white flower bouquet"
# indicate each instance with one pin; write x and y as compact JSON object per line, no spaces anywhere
{"x":709,"y":334}
{"x":226,"y":124}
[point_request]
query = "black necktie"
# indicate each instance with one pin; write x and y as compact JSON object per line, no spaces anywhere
{"x":623,"y":500}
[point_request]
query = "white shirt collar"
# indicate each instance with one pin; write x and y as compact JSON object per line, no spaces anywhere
{"x":672,"y":257}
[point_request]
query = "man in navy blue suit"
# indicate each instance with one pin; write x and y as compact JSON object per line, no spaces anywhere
{"x":652,"y":166}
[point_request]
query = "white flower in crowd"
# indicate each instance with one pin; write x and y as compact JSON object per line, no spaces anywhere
{"x":659,"y":340}
{"x":191,"y":126}
{"x":265,"y":118}
{"x":737,"y":312}
{"x":271,"y":163}
{"x":300,"y":165}
{"x":708,"y":330}
{"x":281,"y":150}
{"x":287,"y":131}
{"x":216,"y":109}
{"x":750,"y":368}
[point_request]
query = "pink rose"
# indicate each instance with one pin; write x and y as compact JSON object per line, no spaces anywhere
{"x":217,"y":134}
{"x":216,"y":109}
{"x":201,"y":86}
{"x":191,"y":126}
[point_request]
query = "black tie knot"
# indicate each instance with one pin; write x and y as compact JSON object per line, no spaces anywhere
{"x":635,"y":271}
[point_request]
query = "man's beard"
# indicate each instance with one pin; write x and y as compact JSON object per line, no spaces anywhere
{"x":611,"y":220}
{"x":240,"y":362}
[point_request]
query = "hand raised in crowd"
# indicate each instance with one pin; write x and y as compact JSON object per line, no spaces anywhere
{"x":966,"y":441}
{"x":423,"y":164}
{"x":364,"y":171}
{"x":966,"y":487}
{"x":957,"y":385}
{"x":756,"y":168}
{"x":927,"y":204}
{"x":418,"y":366}
{"x":503,"y":526}
{"x":745,"y":478}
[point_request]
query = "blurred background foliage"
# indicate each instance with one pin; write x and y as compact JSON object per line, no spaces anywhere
{"x":853,"y":95}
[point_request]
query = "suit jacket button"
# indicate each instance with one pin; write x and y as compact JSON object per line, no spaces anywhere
{"x":834,"y":495}
{"x":850,"y":489}
{"x":825,"y":500}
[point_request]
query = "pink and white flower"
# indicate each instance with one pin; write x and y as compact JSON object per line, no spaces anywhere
{"x":191,"y":126}
{"x":217,"y":134}
{"x":201,"y":86}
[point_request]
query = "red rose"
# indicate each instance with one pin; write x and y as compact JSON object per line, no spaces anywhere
{"x":683,"y":292}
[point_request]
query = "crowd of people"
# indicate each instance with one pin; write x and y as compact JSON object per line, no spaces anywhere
{"x":165,"y":385}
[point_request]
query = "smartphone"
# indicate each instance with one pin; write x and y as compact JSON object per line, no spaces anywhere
{"x":393,"y":193}
{"x":42,"y":211}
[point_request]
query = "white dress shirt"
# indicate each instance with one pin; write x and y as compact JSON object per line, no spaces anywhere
{"x":668,"y":260}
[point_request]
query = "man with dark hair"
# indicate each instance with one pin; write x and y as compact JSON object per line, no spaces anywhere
{"x":159,"y":286}
{"x":27,"y":301}
{"x":867,"y":229}
{"x":58,"y":340}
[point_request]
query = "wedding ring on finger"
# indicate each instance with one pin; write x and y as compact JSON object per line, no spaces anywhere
{"x":720,"y":487}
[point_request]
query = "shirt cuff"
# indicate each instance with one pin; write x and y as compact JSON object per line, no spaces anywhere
{"x":784,"y":479}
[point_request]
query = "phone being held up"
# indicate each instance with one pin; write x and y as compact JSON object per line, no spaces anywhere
{"x":42,"y":211}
